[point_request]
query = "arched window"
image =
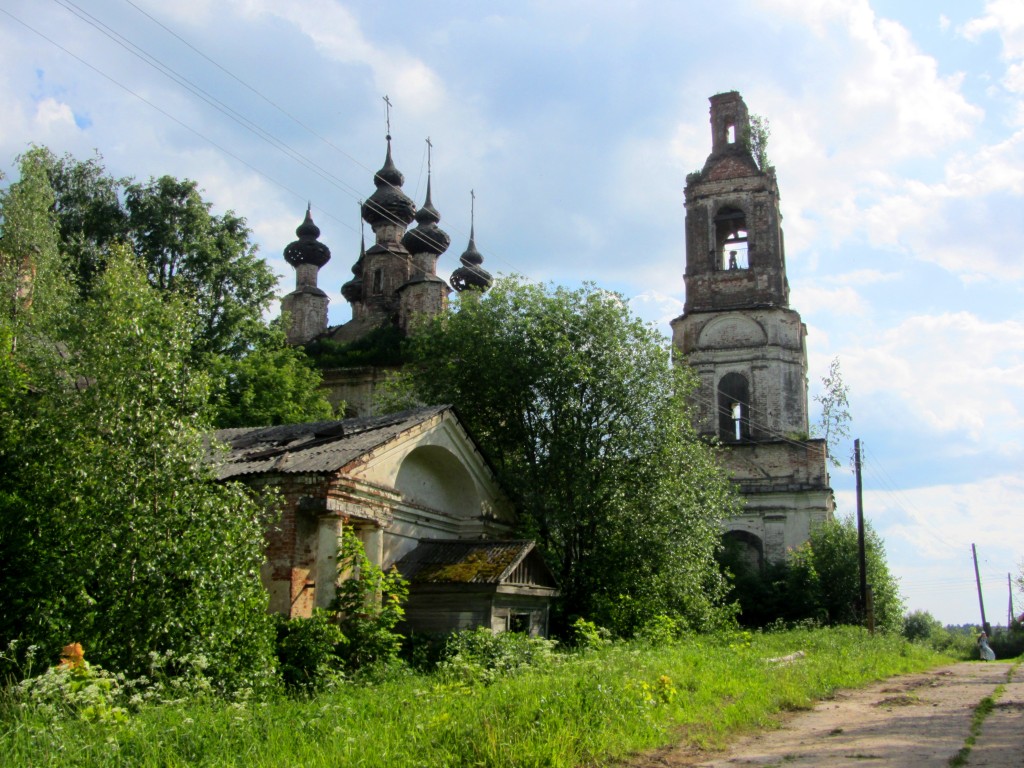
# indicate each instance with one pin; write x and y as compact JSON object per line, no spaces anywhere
{"x":744,"y":548}
{"x":731,"y":239}
{"x":733,"y":408}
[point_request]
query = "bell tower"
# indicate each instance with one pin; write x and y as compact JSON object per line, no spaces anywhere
{"x":746,"y":344}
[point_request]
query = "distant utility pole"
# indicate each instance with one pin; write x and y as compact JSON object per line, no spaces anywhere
{"x":861,"y":555}
{"x":1009,"y":588}
{"x":981,"y":600}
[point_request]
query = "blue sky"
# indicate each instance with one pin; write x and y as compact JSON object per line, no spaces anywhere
{"x":897,"y":131}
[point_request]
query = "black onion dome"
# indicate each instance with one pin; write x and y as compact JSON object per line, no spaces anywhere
{"x":307,"y":249}
{"x":471,"y":274}
{"x":388,"y":204}
{"x":353,"y":289}
{"x":427,"y":237}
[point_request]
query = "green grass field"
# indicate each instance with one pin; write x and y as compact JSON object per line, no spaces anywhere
{"x":587,"y":709}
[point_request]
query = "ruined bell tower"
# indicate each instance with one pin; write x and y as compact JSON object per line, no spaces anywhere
{"x":746,"y":344}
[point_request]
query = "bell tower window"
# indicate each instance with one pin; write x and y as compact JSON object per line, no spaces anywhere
{"x":378,"y":282}
{"x":731,"y":239}
{"x":733,"y":408}
{"x":730,"y":134}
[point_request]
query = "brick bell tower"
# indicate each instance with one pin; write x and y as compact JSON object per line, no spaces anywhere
{"x":746,"y":344}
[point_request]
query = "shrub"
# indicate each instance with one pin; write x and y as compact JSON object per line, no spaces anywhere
{"x":481,"y":655}
{"x":369,"y":607}
{"x":308,"y":651}
{"x":587,"y":636}
{"x":920,"y":625}
{"x":75,"y":686}
{"x":660,"y":630}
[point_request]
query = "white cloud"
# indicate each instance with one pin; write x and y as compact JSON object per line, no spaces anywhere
{"x":656,"y":307}
{"x":337,"y":34}
{"x":954,"y":373}
{"x":928,"y":531}
{"x":1005,"y":17}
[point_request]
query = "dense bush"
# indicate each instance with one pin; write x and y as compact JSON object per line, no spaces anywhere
{"x":308,"y":651}
{"x":920,"y":625}
{"x":481,"y":655}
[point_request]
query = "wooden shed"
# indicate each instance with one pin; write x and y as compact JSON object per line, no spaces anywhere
{"x":459,"y":584}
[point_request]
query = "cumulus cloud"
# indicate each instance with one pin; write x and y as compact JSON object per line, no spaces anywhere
{"x":954,"y":373}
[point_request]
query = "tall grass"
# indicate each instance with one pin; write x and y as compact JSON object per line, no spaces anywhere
{"x":588,"y":708}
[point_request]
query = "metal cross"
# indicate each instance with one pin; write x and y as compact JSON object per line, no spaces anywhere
{"x":429,"y":147}
{"x":387,"y":101}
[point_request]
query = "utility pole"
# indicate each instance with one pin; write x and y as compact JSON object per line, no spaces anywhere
{"x":1009,"y":588}
{"x":981,"y":600}
{"x":861,"y":555}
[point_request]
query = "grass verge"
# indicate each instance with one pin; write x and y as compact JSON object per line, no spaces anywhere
{"x":590,"y":708}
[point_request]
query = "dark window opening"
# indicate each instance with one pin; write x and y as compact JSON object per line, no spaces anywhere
{"x":733,"y":408}
{"x":731,"y":239}
{"x":744,"y":549}
{"x":378,"y":281}
{"x":519,"y":622}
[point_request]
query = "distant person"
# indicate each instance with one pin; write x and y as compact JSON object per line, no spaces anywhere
{"x":984,"y":649}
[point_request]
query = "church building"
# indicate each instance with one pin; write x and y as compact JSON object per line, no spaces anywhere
{"x":394,"y":282}
{"x":747,"y":345}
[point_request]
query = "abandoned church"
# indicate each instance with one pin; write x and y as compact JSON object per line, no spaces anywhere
{"x":417,"y":489}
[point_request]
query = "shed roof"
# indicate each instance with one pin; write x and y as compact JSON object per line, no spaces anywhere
{"x":455,"y":561}
{"x":321,"y":446}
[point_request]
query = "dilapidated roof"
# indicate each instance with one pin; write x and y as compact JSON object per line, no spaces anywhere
{"x":455,"y":561}
{"x":321,"y":446}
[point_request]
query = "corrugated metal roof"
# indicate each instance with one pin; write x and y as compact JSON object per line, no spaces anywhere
{"x":452,"y":561}
{"x":321,"y":446}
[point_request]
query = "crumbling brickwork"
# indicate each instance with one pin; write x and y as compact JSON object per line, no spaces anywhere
{"x":747,"y":346}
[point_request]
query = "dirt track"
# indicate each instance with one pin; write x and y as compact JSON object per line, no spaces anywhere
{"x":911,"y":721}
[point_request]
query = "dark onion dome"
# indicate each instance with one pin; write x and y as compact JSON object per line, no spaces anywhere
{"x":388,"y":204}
{"x":471,"y":274}
{"x":307,"y":249}
{"x":427,"y":237}
{"x":353,"y":289}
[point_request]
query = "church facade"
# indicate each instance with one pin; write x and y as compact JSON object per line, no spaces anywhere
{"x":747,"y":345}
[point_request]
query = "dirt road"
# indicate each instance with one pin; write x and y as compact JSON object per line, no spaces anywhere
{"x":914,"y":721}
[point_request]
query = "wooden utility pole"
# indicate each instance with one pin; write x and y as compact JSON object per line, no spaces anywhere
{"x":981,"y":600}
{"x":1009,"y":588}
{"x":861,"y":555}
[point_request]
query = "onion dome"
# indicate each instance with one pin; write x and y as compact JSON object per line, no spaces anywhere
{"x":353,"y":289}
{"x":388,"y":204}
{"x":471,"y":274}
{"x":427,"y":237}
{"x":307,"y":249}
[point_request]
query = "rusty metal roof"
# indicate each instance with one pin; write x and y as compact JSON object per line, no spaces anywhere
{"x":454,"y":561}
{"x":318,"y":447}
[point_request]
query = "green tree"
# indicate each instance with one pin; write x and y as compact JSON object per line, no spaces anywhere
{"x":209,"y":260}
{"x":89,"y":212}
{"x":272,"y":384}
{"x":756,"y":140}
{"x":825,"y":576}
{"x":921,"y":625}
{"x":834,"y":425}
{"x":114,"y":533}
{"x":585,"y":419}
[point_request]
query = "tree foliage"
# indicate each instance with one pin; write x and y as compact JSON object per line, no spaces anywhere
{"x":828,"y":568}
{"x":819,"y":582}
{"x":834,"y":425}
{"x":756,"y":140}
{"x":113,"y":532}
{"x":200,"y":257}
{"x":577,"y":404}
